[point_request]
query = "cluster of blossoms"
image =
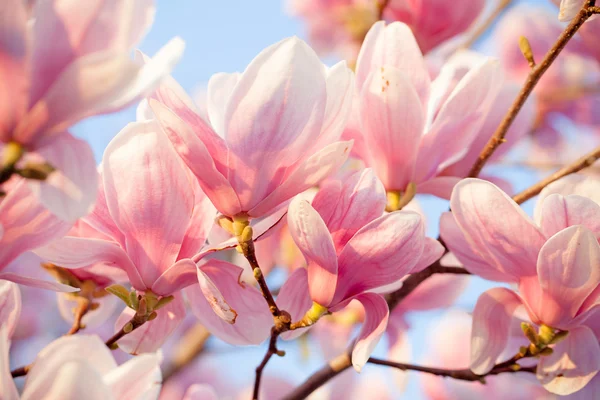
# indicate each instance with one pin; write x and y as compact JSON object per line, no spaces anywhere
{"x":302,"y":169}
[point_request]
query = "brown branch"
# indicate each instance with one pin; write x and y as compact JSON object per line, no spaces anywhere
{"x":534,"y":76}
{"x":509,"y":366}
{"x":481,"y":29}
{"x":250,"y":254}
{"x":271,"y":351}
{"x":83,"y":306}
{"x":21,"y":371}
{"x":576,"y":166}
{"x":188,"y":348}
{"x":135,"y":322}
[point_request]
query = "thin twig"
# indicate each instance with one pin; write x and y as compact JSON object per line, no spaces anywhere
{"x":271,"y":351}
{"x":250,"y":254}
{"x":509,"y":366}
{"x":135,"y":322}
{"x":577,"y":165}
{"x":21,"y":371}
{"x":481,"y":29}
{"x":83,"y":306}
{"x":533,"y":78}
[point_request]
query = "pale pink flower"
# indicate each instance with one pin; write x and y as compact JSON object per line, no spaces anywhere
{"x":273,"y":128}
{"x":352,"y":250}
{"x":434,"y":21}
{"x":71,"y":61}
{"x":555,"y":262}
{"x":407,"y":128}
{"x":569,"y":9}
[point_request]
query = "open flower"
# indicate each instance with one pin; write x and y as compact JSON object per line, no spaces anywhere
{"x":352,"y":250}
{"x":70,"y":61}
{"x":407,"y":128}
{"x":555,"y":263}
{"x":273,"y":129}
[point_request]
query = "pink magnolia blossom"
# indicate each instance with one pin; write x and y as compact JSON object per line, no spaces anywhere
{"x":434,"y":21}
{"x":352,"y":250}
{"x":71,"y":61}
{"x":407,"y":128}
{"x":280,"y":120}
{"x":150,"y":220}
{"x":555,"y":262}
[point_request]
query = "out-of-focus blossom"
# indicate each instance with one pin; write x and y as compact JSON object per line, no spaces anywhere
{"x":70,"y":60}
{"x":409,"y":129}
{"x":569,"y":9}
{"x":150,"y":220}
{"x":273,"y":128}
{"x":353,"y":250}
{"x":555,"y":262}
{"x":449,"y":348}
{"x":434,"y":21}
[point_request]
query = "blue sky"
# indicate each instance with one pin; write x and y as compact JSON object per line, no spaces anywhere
{"x":225,"y":36}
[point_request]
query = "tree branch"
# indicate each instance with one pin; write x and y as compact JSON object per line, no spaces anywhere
{"x":271,"y":351}
{"x":83,"y":306}
{"x":534,"y":76}
{"x":250,"y":254}
{"x":583,"y":162}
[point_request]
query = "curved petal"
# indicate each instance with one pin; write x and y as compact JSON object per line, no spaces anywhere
{"x":198,"y":159}
{"x":574,"y":362}
{"x":440,"y":290}
{"x":559,"y":212}
{"x":568,"y":270}
{"x":433,"y":250}
{"x":153,"y":209}
{"x":360,"y":200}
{"x":577,"y":184}
{"x":305,"y":175}
{"x":392,"y":121}
{"x":176,"y":277}
{"x":26,"y":223}
{"x":7,"y":385}
{"x":294,"y":298}
{"x":36,"y":283}
{"x":272,"y":116}
{"x":569,"y":9}
{"x":340,"y":92}
{"x":382,"y":252}
{"x":454,"y":238}
{"x":10,"y":306}
{"x":376,"y":318}
{"x":440,"y":186}
{"x":219,"y":90}
{"x":74,"y":252}
{"x":314,"y":241}
{"x":200,"y":392}
{"x":136,"y":378}
{"x":496,"y":227}
{"x":92,"y":318}
{"x":150,"y":337}
{"x":71,"y":190}
{"x":253,"y":321}
{"x":492,"y":318}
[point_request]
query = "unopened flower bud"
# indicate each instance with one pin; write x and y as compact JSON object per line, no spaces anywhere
{"x":559,"y":336}
{"x":530,"y":333}
{"x":128,"y":327}
{"x":152,"y":315}
{"x":546,"y":334}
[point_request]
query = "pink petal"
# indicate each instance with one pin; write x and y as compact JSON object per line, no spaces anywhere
{"x":496,"y":227}
{"x":569,"y":271}
{"x":440,"y":186}
{"x":7,"y":385}
{"x":10,"y":306}
{"x":253,"y":320}
{"x":454,"y":238}
{"x":392,"y":121}
{"x":178,"y":276}
{"x":73,"y":252}
{"x":492,"y":318}
{"x":196,"y":156}
{"x":66,"y":30}
{"x":13,"y":52}
{"x":200,"y":224}
{"x":200,"y":392}
{"x":574,"y":184}
{"x":69,"y":192}
{"x":314,"y":241}
{"x":272,"y":116}
{"x":220,"y":87}
{"x":376,"y":318}
{"x":305,"y":175}
{"x":393,"y":45}
{"x":150,"y":337}
{"x":93,"y":318}
{"x":558,"y":212}
{"x":590,"y":391}
{"x":26,"y":223}
{"x":382,"y":252}
{"x":138,"y":378}
{"x":212,"y":294}
{"x":574,"y":362}
{"x":569,"y":9}
{"x":458,"y":121}
{"x":36,"y":283}
{"x":340,"y":90}
{"x":360,"y":200}
{"x":440,"y":290}
{"x":152,"y":210}
{"x":101,"y":219}
{"x":433,"y":250}
{"x":294,"y":298}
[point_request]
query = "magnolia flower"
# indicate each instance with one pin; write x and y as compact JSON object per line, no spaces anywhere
{"x":73,"y":367}
{"x":555,"y":262}
{"x":280,"y":120}
{"x":353,"y":250}
{"x":569,"y":9}
{"x":70,"y":61}
{"x":407,"y":128}
{"x":150,"y":220}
